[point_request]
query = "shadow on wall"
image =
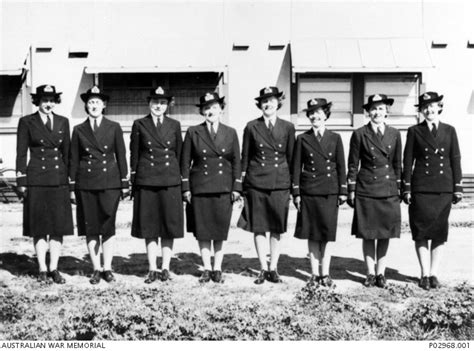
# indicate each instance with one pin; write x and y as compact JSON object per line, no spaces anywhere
{"x":78,"y":114}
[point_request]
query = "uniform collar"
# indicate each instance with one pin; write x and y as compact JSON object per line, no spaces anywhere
{"x":44,"y":117}
{"x":319,"y":130}
{"x":215,"y":125}
{"x":376,"y":127}
{"x":155,"y":118}
{"x":99,"y":121}
{"x":270,"y":119}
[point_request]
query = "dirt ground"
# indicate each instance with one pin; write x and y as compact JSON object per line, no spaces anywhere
{"x":18,"y":262}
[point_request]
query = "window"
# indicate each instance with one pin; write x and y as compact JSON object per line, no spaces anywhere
{"x":335,"y":89}
{"x":128,"y":93}
{"x":404,"y":89}
{"x":10,"y":96}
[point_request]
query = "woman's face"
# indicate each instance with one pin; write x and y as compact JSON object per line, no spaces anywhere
{"x":95,"y":107}
{"x":212,"y":112}
{"x":158,"y":106}
{"x":269,"y":105}
{"x":377,"y":113}
{"x":47,"y":104}
{"x":431,"y":111}
{"x":317,"y":118}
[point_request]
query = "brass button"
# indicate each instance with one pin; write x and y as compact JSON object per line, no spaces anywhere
{"x":220,"y":172}
{"x":276,"y":158}
{"x":168,"y":142}
{"x":104,"y":162}
{"x":104,"y":155}
{"x":314,"y":175}
{"x":426,"y":149}
{"x":427,"y":164}
{"x":311,"y":155}
{"x":152,"y":156}
{"x":55,"y":157}
{"x":223,"y":150}
{"x":261,"y":145}
{"x":42,"y":150}
{"x":279,"y":145}
{"x":313,"y":169}
{"x":204,"y":151}
{"x":105,"y":146}
{"x":386,"y":166}
{"x":88,"y":170}
{"x":166,"y":149}
{"x":43,"y":167}
{"x":167,"y":156}
{"x":328,"y":167}
{"x":263,"y":164}
{"x":42,"y":158}
{"x":89,"y":162}
{"x":441,"y":157}
{"x":205,"y":173}
{"x":387,"y":176}
{"x":205,"y":166}
{"x":90,"y":156}
{"x":442,"y":149}
{"x":276,"y":165}
{"x":220,"y":164}
{"x":263,"y":157}
{"x":330,"y":154}
{"x":441,"y":172}
{"x":329,"y":175}
{"x":374,"y":166}
{"x":167,"y":164}
{"x":441,"y":165}
{"x":276,"y":152}
{"x":204,"y":158}
{"x":56,"y":166}
{"x":220,"y":157}
{"x":151,"y":150}
{"x":105,"y":169}
{"x":149,"y":143}
{"x":375,"y":177}
{"x":152,"y":164}
{"x":427,"y":172}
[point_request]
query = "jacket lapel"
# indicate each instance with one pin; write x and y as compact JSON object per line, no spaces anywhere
{"x":425,"y":133}
{"x":89,"y":134}
{"x":151,"y":127}
{"x":38,"y":123}
{"x":221,"y":137}
{"x":374,"y":139}
{"x":312,"y":142}
{"x":165,"y":127}
{"x":262,"y":129}
{"x":206,"y":137}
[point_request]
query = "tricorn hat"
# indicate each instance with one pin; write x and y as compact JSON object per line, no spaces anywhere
{"x":94,"y":92}
{"x":210,"y":98}
{"x":159,"y":93}
{"x":428,"y":97}
{"x":46,"y":90}
{"x":267,"y":92}
{"x":374,"y":99}
{"x":316,"y":103}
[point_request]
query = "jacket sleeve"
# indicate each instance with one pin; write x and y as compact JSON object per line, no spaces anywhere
{"x":73,"y":159}
{"x":296,"y":167}
{"x":179,"y":141}
{"x":22,"y":143}
{"x":408,"y":160}
{"x":341,"y":166}
{"x":186,"y":162}
{"x":245,"y":151}
{"x":455,"y":157}
{"x":397,"y":160}
{"x":290,"y":147}
{"x":236,"y":170}
{"x":134,"y":151}
{"x":353,"y":163}
{"x":66,"y":145}
{"x":120,"y":153}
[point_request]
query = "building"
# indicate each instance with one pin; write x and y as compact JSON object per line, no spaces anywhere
{"x":341,"y":50}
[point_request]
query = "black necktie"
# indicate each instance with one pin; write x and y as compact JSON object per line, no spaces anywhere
{"x":213,"y":132}
{"x":48,"y":123}
{"x":270,"y":127}
{"x":319,"y":136}
{"x":379,"y":133}
{"x":158,"y":125}
{"x":96,"y":126}
{"x":434,"y":132}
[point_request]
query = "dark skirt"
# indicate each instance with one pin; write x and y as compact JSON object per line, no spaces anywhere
{"x":376,"y":218}
{"x":158,"y":212}
{"x":265,"y":211}
{"x":96,"y":210}
{"x":317,"y":219}
{"x":208,"y":216}
{"x":429,"y":213}
{"x":47,"y":211}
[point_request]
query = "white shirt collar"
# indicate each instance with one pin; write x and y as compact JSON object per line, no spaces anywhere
{"x":155,"y":118}
{"x":375,"y":127}
{"x":430,"y":124}
{"x":215,"y":125}
{"x":44,"y":117}
{"x":91,"y":121}
{"x":268,"y":119}
{"x":321,"y":130}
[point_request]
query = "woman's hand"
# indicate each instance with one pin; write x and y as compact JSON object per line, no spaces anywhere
{"x":235,"y":196}
{"x":456,"y":198}
{"x":72,"y":197}
{"x":187,"y":197}
{"x":22,"y":192}
{"x":341,"y":200}
{"x":124,"y":193}
{"x":297,"y":202}
{"x":351,"y":199}
{"x":407,"y":198}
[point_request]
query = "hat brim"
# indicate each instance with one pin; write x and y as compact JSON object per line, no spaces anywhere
{"x":39,"y":95}
{"x":86,"y":96}
{"x":154,"y":97}
{"x":388,"y":102}
{"x":437,"y":99}
{"x":220,"y":101}
{"x":264,"y":96}
{"x":315,"y":107}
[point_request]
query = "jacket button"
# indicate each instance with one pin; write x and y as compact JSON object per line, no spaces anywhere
{"x":328,"y":167}
{"x":427,"y":172}
{"x":330,"y":154}
{"x":166,"y":149}
{"x":56,"y":166}
{"x":220,"y":172}
{"x":149,"y":143}
{"x":167,"y":164}
{"x":167,"y":156}
{"x":87,"y":149}
{"x":263,"y":152}
{"x":373,"y":157}
{"x":387,"y":176}
{"x":168,"y":142}
{"x":441,"y":165}
{"x":371,"y":148}
{"x":276,"y":165}
{"x":41,"y":141}
{"x":104,"y":155}
{"x":327,"y":161}
{"x":55,"y":157}
{"x":441,"y":157}
{"x":152,"y":156}
{"x":43,"y":167}
{"x":426,"y":157}
{"x":426,"y":149}
{"x":223,"y":150}
{"x":220,"y":164}
{"x":263,"y":164}
{"x":427,"y":164}
{"x":263,"y":157}
{"x":442,"y":149}
{"x":89,"y":162}
{"x":312,"y":162}
{"x":375,"y":177}
{"x":386,"y":166}
{"x":90,"y":156}
{"x":441,"y":172}
{"x":42,"y":150}
{"x":313,"y":169}
{"x":152,"y":164}
{"x":329,"y":175}
{"x":279,"y":145}
{"x":60,"y":140}
{"x":204,"y":151}
{"x":205,"y":166}
{"x":42,"y":158}
{"x":261,"y":145}
{"x":205,"y":173}
{"x":276,"y":152}
{"x":276,"y":158}
{"x":151,"y":150}
{"x":204,"y":158}
{"x":311,"y":155}
{"x":104,"y":162}
{"x":105,"y":146}
{"x":105,"y":169}
{"x":88,"y":170}
{"x":374,"y":166}
{"x":314,"y":175}
{"x":390,"y":146}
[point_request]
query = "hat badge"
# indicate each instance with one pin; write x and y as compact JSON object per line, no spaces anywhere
{"x":426,"y":96}
{"x":377,"y":97}
{"x":267,"y":90}
{"x":159,"y":91}
{"x":313,"y":102}
{"x":48,"y":89}
{"x":208,"y":97}
{"x":95,"y":90}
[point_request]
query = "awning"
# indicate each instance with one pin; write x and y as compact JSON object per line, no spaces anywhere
{"x":12,"y":59}
{"x":360,"y":55}
{"x":157,"y":56}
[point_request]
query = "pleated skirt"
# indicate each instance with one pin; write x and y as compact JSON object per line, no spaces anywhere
{"x":158,"y":213}
{"x":208,"y":216}
{"x":96,"y":211}
{"x":265,"y":211}
{"x":376,"y":218}
{"x":428,"y":216}
{"x":47,"y":211}
{"x":317,"y":219}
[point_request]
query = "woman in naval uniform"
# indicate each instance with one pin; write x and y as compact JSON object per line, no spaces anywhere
{"x":266,"y":158}
{"x":155,"y":152}
{"x":432,"y":183}
{"x":210,"y":166}
{"x":374,"y":173}
{"x":42,"y":180}
{"x":98,"y":173}
{"x":319,"y":187}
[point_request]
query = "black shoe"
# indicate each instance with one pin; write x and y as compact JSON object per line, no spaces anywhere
{"x":369,"y":281}
{"x":380,"y":281}
{"x":434,"y":282}
{"x":217,"y":277}
{"x":151,"y":277}
{"x":42,"y":277}
{"x":314,"y":279}
{"x":274,"y":277}
{"x":326,"y":281}
{"x":424,"y":283}
{"x":95,"y":279}
{"x":57,"y":277}
{"x":108,"y":276}
{"x":205,"y":277}
{"x":165,"y":275}
{"x":262,"y":276}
